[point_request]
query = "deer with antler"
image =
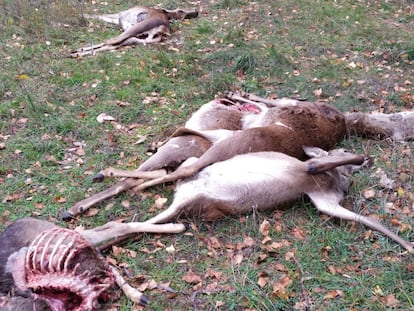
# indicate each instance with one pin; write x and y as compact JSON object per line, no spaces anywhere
{"x":141,"y":25}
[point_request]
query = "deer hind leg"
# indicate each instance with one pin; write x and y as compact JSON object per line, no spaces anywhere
{"x":113,"y":231}
{"x":326,"y":203}
{"x":105,"y":46}
{"x":320,"y":165}
{"x":110,"y":192}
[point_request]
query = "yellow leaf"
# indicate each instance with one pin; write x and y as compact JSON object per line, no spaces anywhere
{"x":23,"y":76}
{"x":400,"y":191}
{"x":378,"y":291}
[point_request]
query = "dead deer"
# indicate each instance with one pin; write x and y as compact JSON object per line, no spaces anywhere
{"x":140,"y":25}
{"x":396,"y":126}
{"x":265,"y":181}
{"x":45,"y":263}
{"x":268,"y":180}
{"x":232,"y":129}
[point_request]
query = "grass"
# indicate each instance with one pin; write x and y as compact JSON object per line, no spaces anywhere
{"x":359,"y":54}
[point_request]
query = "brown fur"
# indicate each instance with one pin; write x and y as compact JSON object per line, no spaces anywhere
{"x":175,"y":151}
{"x":317,"y":125}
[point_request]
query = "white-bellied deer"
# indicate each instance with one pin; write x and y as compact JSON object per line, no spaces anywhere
{"x":45,"y":263}
{"x":265,"y":181}
{"x":140,"y":25}
{"x":233,"y":127}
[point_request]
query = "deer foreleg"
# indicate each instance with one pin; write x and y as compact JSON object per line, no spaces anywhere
{"x":327,"y":204}
{"x":113,"y":172}
{"x":254,"y":99}
{"x":91,"y":50}
{"x":109,"y":46}
{"x":114,"y":230}
{"x":112,"y":191}
{"x":240,"y":98}
{"x":131,"y":293}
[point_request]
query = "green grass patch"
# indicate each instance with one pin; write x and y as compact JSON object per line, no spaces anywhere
{"x":354,"y":55}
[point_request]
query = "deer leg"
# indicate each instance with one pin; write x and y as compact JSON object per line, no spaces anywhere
{"x":131,"y":293}
{"x":91,"y":50}
{"x":114,"y":190}
{"x":254,"y":99}
{"x":109,"y":46}
{"x":239,"y":98}
{"x":327,"y":204}
{"x":320,"y":165}
{"x":113,"y":230}
{"x":113,"y":172}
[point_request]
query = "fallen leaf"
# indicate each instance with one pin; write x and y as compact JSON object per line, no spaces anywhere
{"x":262,"y":281}
{"x":211,"y":273}
{"x":264,"y":228}
{"x":280,"y":287}
{"x":160,"y":202}
{"x":192,"y":278}
{"x":262,"y":258}
{"x":290,"y":254}
{"x":238,"y":258}
{"x":92,"y":212}
{"x":317,"y":93}
{"x":280,"y":267}
{"x":390,"y":300}
{"x":125,"y":204}
{"x":111,"y":261}
{"x":332,"y":294}
{"x":369,"y":193}
{"x":23,"y":77}
{"x":60,"y":199}
{"x":104,"y":117}
{"x":298,"y":233}
{"x":170,"y":249}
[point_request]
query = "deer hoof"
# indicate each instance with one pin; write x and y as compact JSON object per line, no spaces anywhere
{"x":98,"y":177}
{"x":187,"y":225}
{"x":66,"y":216}
{"x":143,"y":300}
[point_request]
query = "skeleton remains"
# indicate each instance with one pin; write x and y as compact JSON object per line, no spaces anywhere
{"x":141,"y":25}
{"x":59,"y":269}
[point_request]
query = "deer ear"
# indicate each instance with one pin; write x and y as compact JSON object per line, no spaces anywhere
{"x":314,"y":152}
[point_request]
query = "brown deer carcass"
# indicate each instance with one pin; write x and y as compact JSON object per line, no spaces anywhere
{"x":283,"y":129}
{"x":59,"y":269}
{"x":266,"y":181}
{"x":140,"y":25}
{"x":397,"y":126}
{"x":233,"y":128}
